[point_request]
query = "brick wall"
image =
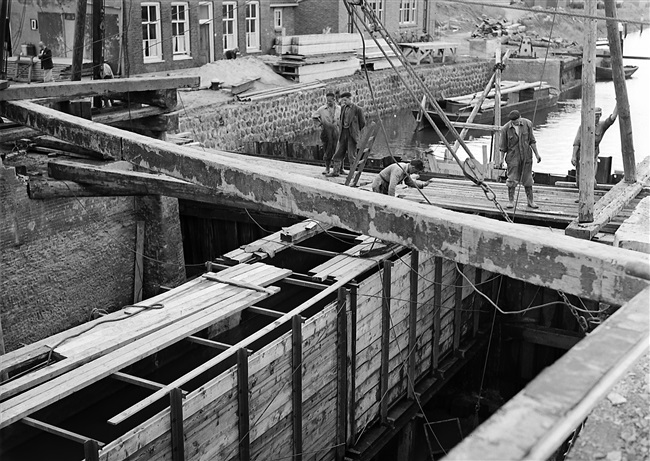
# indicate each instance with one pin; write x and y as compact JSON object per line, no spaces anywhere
{"x":285,"y":117}
{"x":62,"y":258}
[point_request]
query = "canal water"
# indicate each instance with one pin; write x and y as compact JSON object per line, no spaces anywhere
{"x":555,"y":129}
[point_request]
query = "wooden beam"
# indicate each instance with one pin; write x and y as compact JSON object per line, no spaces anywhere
{"x":176,"y":423}
{"x":39,"y":188}
{"x":352,"y":387}
{"x":620,"y":88}
{"x":266,"y":312}
{"x":536,"y":256}
{"x":209,"y":343}
{"x":296,"y":390}
{"x":91,"y":450}
{"x":413,"y":322}
{"x":58,"y":431}
{"x":478,"y":302}
{"x":608,"y":207}
{"x":385,"y":341}
{"x":315,"y":251}
{"x":342,"y":378}
{"x":587,"y":129}
{"x":98,"y":44}
{"x":138,"y":276}
{"x":243,"y":405}
{"x":137,"y":381}
{"x":78,"y":42}
{"x":437,"y":308}
{"x":458,"y":307}
{"x":73,"y":90}
{"x":544,"y":336}
{"x":534,"y":423}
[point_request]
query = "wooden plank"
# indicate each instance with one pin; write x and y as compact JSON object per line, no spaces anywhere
{"x":342,"y":378}
{"x":610,"y":205}
{"x":137,"y":381}
{"x":266,"y":312}
{"x":351,"y":422}
{"x":208,"y":342}
{"x":177,"y":429}
{"x":58,"y":431}
{"x":138,"y":277}
{"x":243,"y":404}
{"x":437,"y":309}
{"x":478,"y":302}
{"x":534,"y":423}
{"x":531,"y":255}
{"x":413,"y":312}
{"x":77,"y":89}
{"x":296,"y":348}
{"x":458,"y":307}
{"x":385,"y":340}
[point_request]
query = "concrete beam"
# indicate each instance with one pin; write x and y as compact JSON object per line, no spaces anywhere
{"x":582,"y":268}
{"x":72,"y":90}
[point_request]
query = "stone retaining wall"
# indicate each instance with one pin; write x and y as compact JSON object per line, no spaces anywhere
{"x":283,"y":118}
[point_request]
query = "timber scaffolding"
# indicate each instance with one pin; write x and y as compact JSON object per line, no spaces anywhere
{"x":239,"y":395}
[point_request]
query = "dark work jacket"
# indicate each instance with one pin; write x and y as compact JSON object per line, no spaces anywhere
{"x":352,"y":115}
{"x":46,"y":58}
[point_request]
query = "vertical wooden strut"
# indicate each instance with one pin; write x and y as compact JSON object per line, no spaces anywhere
{"x":478,"y":299}
{"x":98,"y":44}
{"x":622,"y":102}
{"x":587,"y":134}
{"x":385,"y":342}
{"x":458,"y":308}
{"x":497,"y":105}
{"x":342,"y":382}
{"x":78,"y":44}
{"x":437,"y":308}
{"x":413,"y":318}
{"x":296,"y":347}
{"x":177,"y":431}
{"x":352,"y":333}
{"x":91,"y":450}
{"x":243,"y":407}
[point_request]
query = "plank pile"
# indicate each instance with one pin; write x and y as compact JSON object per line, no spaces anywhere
{"x":374,"y":58}
{"x":61,"y":70}
{"x":307,"y":58}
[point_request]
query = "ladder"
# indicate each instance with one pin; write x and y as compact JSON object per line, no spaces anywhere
{"x":363,"y":151}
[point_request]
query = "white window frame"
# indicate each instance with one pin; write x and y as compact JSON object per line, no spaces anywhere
{"x":378,"y":7}
{"x":253,"y":42}
{"x":278,"y":20}
{"x":407,"y":12}
{"x":154,"y":47}
{"x":210,"y":22}
{"x":181,"y":43}
{"x":230,"y":41}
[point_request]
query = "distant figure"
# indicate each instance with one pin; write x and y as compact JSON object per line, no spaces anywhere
{"x":232,"y":54}
{"x":328,"y":116}
{"x":45,"y":55}
{"x":106,"y":71}
{"x":517,"y":142}
{"x":388,"y":179}
{"x":351,"y":123}
{"x":599,"y":132}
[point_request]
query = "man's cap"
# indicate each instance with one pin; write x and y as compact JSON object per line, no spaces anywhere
{"x":347,"y":94}
{"x":598,"y":111}
{"x":514,"y":115}
{"x":417,"y":164}
{"x":329,"y":93}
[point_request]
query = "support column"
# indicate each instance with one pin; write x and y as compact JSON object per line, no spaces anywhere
{"x":342,"y":382}
{"x":243,"y":405}
{"x":98,"y":44}
{"x":413,"y":314}
{"x":458,"y":306}
{"x":437,"y":308}
{"x":385,"y":342}
{"x":177,"y":430}
{"x":78,"y":44}
{"x":296,"y":346}
{"x":405,"y":442}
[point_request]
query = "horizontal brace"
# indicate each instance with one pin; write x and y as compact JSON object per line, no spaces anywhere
{"x":238,"y":283}
{"x":297,"y":279}
{"x":267,"y":312}
{"x":208,"y":342}
{"x":50,"y":429}
{"x":316,"y":251}
{"x":137,"y":381}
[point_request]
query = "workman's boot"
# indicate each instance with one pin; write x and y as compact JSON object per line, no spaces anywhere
{"x":511,"y":197}
{"x":336,"y":167}
{"x":529,"y":196}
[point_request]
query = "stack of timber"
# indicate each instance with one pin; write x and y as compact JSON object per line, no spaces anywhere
{"x":374,"y":57}
{"x":61,"y":71}
{"x":281,"y":91}
{"x":307,"y":58}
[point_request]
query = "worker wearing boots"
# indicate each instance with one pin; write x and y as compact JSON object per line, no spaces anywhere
{"x":518,"y":143}
{"x":351,"y":123}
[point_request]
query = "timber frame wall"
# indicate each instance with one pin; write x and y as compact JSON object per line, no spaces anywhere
{"x":349,"y":354}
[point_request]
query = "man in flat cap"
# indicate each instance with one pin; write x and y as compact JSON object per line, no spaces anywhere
{"x":599,"y":132}
{"x":518,"y":143}
{"x":351,"y":123}
{"x":328,"y":116}
{"x":388,"y":179}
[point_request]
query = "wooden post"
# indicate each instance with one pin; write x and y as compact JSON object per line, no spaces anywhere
{"x":405,"y":442}
{"x":138,"y":277}
{"x":177,"y":431}
{"x":413,"y":318}
{"x":243,"y":407}
{"x":478,"y":300}
{"x":342,"y":382}
{"x":296,"y":348}
{"x":385,"y":342}
{"x":78,"y":44}
{"x":622,"y":102}
{"x":98,"y":44}
{"x":352,"y":426}
{"x":91,"y":450}
{"x":587,"y":135}
{"x":3,"y":374}
{"x":5,"y":6}
{"x":458,"y":307}
{"x":437,"y":308}
{"x":497,"y":105}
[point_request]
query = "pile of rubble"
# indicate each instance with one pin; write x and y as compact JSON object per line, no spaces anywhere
{"x":489,"y":28}
{"x":514,"y":33}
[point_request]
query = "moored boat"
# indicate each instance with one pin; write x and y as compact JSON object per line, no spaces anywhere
{"x":605,"y":73}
